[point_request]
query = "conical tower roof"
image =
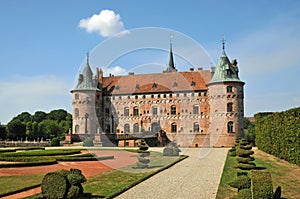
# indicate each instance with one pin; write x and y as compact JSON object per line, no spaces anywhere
{"x":171,"y":66}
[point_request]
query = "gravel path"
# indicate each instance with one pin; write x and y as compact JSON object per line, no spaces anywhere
{"x":195,"y":177}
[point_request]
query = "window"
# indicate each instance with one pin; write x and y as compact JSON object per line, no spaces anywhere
{"x":229,"y":89}
{"x":126,"y":128}
{"x":170,"y":95}
{"x":135,"y":111}
{"x":195,"y":109}
{"x":136,"y":128}
{"x":174,"y":127}
{"x":165,"y":95}
{"x":154,"y":85}
{"x":173,"y":110}
{"x":158,"y":96}
{"x":137,"y":86}
{"x":136,"y":97}
{"x":107,"y":128}
{"x":76,"y":96}
{"x":152,"y":96}
{"x":126,"y":111}
{"x":229,"y":107}
{"x":196,"y":127}
{"x":106,"y":112}
{"x":193,"y":83}
{"x":76,"y":112}
{"x":155,"y":128}
{"x":230,"y":127}
{"x":117,"y":87}
{"x":154,"y":110}
{"x":77,"y":128}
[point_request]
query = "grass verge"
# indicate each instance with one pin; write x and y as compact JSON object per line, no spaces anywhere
{"x":283,"y":174}
{"x":115,"y":182}
{"x":13,"y":184}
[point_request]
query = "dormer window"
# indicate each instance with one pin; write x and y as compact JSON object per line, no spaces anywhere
{"x":154,"y":85}
{"x":137,"y":86}
{"x":175,"y":84}
{"x":117,"y":87}
{"x":193,"y":83}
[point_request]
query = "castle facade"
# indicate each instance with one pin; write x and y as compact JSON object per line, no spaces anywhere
{"x":195,"y":108}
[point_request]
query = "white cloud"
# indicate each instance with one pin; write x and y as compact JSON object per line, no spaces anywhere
{"x":106,"y":23}
{"x":116,"y":70}
{"x":31,"y":94}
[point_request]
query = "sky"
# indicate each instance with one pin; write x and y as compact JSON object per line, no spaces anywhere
{"x":43,"y":46}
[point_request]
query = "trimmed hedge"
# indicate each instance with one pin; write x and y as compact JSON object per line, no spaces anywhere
{"x":279,"y":134}
{"x":55,"y":142}
{"x":261,"y":184}
{"x":63,"y":184}
{"x":245,"y":194}
{"x":88,"y":142}
{"x":242,"y":182}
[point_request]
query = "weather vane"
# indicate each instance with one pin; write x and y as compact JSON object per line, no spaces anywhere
{"x":223,"y":42}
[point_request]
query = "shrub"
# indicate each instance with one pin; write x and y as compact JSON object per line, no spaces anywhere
{"x":63,"y":184}
{"x":246,"y":166}
{"x":55,"y":142}
{"x":261,"y":184}
{"x":142,"y":161}
{"x":54,"y":185}
{"x":171,"y":150}
{"x":88,"y":142}
{"x":277,"y":194}
{"x":242,"y":182}
{"x":245,"y":194}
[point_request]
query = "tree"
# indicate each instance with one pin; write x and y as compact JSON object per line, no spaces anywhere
{"x":50,"y":129}
{"x":2,"y":132}
{"x":39,"y":116}
{"x":16,"y":129}
{"x":57,"y":115}
{"x":23,"y":117}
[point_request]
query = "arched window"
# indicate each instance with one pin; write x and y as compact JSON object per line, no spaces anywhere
{"x":230,"y":107}
{"x":135,"y":128}
{"x":77,"y":128}
{"x":230,"y":127}
{"x":76,"y":112}
{"x":174,"y":127}
{"x":173,"y":110}
{"x":229,"y":89}
{"x":135,"y":111}
{"x":195,"y":109}
{"x":126,"y":111}
{"x":155,"y":128}
{"x":154,"y":110}
{"x":107,"y":128}
{"x":196,"y":127}
{"x":126,"y":128}
{"x":107,"y":112}
{"x":77,"y":96}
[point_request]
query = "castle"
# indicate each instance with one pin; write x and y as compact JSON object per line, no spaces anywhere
{"x":196,"y":108}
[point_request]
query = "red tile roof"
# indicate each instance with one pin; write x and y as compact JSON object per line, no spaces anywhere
{"x":157,"y":83}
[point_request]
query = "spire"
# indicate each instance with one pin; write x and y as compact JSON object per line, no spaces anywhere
{"x":171,"y":66}
{"x":223,"y":46}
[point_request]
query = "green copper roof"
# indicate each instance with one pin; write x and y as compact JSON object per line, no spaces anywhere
{"x":86,"y":80}
{"x":225,"y":71}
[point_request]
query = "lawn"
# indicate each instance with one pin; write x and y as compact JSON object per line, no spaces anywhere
{"x":112,"y":183}
{"x":283,"y":174}
{"x":9,"y":184}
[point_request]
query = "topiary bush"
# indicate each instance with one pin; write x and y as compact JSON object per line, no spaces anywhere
{"x":261,"y":184}
{"x":171,"y":150}
{"x":245,"y":194}
{"x":277,"y":194}
{"x":242,"y":182}
{"x":142,"y":153}
{"x":54,"y":185}
{"x":244,"y":152}
{"x":88,"y":142}
{"x":55,"y":142}
{"x":63,"y":184}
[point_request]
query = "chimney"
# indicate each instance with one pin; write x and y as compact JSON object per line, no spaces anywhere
{"x":191,"y":69}
{"x":200,"y":68}
{"x":131,"y":73}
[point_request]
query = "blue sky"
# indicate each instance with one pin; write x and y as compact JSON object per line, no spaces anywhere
{"x":44,"y":43}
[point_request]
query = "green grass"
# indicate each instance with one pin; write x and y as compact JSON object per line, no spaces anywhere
{"x":9,"y":184}
{"x":283,"y":174}
{"x":110,"y":184}
{"x":228,"y":175}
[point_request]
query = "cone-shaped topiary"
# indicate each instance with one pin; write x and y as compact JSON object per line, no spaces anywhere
{"x":244,"y":152}
{"x":142,"y":161}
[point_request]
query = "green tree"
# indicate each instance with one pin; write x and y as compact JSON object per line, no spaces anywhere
{"x":39,"y":116}
{"x":23,"y":117}
{"x":52,"y":129}
{"x":16,"y":129}
{"x":2,"y":132}
{"x":57,"y":115}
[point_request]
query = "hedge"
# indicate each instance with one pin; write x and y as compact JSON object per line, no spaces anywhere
{"x":261,"y":184}
{"x":279,"y":134}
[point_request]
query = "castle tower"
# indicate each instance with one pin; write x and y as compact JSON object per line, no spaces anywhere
{"x":226,"y":98}
{"x":86,"y":101}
